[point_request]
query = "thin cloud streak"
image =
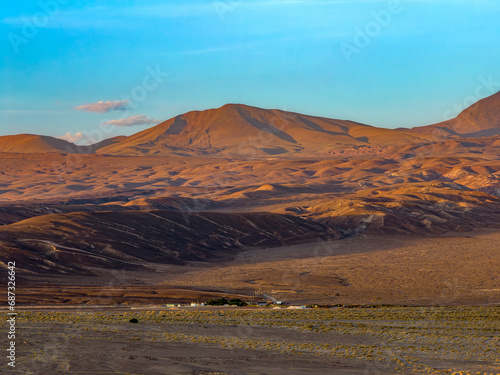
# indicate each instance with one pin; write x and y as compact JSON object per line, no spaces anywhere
{"x":94,"y":16}
{"x":103,"y":107}
{"x":132,"y":121}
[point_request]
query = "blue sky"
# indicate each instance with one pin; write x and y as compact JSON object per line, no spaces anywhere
{"x":417,"y":62}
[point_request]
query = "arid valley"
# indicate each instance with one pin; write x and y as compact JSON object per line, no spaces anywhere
{"x":268,"y":207}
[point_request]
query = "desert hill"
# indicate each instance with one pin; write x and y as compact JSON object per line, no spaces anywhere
{"x":410,"y":208}
{"x":105,"y":143}
{"x":482,"y":119}
{"x":461,"y":189}
{"x":30,"y":143}
{"x":240,"y":130}
{"x":64,"y":242}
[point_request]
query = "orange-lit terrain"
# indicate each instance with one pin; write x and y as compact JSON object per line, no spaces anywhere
{"x":244,"y":201}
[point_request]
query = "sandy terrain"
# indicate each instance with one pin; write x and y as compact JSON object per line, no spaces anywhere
{"x":242,"y":341}
{"x":453,"y":269}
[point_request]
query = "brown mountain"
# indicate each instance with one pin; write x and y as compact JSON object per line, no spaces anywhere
{"x":240,"y":130}
{"x":482,"y":119}
{"x":30,"y":143}
{"x":105,"y":143}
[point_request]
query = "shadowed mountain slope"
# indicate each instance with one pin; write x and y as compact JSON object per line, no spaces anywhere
{"x":482,"y":119}
{"x":67,"y":242}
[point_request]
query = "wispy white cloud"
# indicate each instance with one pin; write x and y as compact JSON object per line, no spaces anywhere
{"x":103,"y":107}
{"x":307,"y":2}
{"x":204,"y":51}
{"x":94,"y":16}
{"x":172,"y":10}
{"x":112,"y":16}
{"x":230,"y":47}
{"x":28,"y":111}
{"x":73,"y":138}
{"x":132,"y":121}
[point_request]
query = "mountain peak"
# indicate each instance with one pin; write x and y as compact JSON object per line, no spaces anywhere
{"x":239,"y":130}
{"x":235,"y":105}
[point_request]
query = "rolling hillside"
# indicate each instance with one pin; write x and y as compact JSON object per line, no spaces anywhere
{"x":30,"y":143}
{"x":482,"y":119}
{"x":240,"y":130}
